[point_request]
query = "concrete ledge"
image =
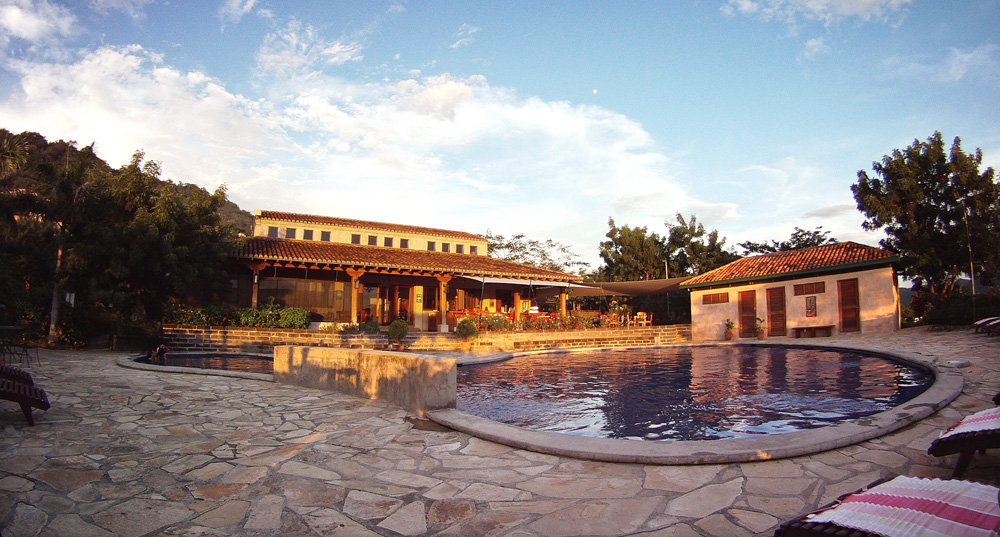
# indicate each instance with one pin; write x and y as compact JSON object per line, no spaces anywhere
{"x":131,"y":363}
{"x":947,"y":386}
{"x":419,"y":383}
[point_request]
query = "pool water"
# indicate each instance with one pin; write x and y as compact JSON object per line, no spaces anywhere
{"x":687,"y":393}
{"x":247,"y":363}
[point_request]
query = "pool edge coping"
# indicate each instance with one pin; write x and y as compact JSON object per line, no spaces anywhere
{"x":130,"y":362}
{"x":948,"y":385}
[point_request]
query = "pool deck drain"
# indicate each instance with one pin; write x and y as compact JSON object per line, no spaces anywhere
{"x":133,"y":452}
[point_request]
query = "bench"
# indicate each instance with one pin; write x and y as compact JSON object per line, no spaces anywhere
{"x":16,"y":374}
{"x":812,"y":331}
{"x":25,"y":395}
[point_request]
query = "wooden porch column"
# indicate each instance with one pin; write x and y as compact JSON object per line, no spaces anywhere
{"x":517,"y":306}
{"x":562,"y":303}
{"x":256,"y":267}
{"x":443,"y":302}
{"x":355,"y":289}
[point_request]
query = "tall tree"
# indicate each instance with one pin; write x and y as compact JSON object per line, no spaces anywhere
{"x":939,"y":212}
{"x":800,"y":238}
{"x":693,"y":249}
{"x":632,"y":253}
{"x":547,"y":254}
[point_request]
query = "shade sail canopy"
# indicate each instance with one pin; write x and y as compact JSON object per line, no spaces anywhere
{"x":634,"y":288}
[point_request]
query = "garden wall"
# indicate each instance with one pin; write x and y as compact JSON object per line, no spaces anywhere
{"x":180,"y":338}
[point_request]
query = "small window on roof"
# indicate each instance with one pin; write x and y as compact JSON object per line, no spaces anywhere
{"x":445,"y":247}
{"x":473,"y":250}
{"x":355,"y":239}
{"x":404,"y":243}
{"x":459,"y":248}
{"x":431,"y":245}
{"x":307,"y":234}
{"x":324,"y":236}
{"x":290,"y":233}
{"x":387,"y":242}
{"x":272,"y":232}
{"x":372,"y":240}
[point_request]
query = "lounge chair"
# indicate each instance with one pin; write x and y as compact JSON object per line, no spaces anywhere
{"x":16,"y":374}
{"x":992,"y":328}
{"x":981,"y":323}
{"x":905,"y":506}
{"x":976,"y":432}
{"x":26,"y":395}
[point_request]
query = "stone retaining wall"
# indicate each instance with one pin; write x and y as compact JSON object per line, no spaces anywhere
{"x":263,"y":340}
{"x":418,"y":383}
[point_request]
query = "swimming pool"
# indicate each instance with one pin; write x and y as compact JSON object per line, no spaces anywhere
{"x":245,"y":363}
{"x":688,"y":393}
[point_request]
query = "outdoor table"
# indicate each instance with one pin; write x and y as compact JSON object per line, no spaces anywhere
{"x":12,"y":344}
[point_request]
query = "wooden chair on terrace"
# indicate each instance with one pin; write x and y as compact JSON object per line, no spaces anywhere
{"x":904,"y":506}
{"x":981,"y":323}
{"x":643,"y":319}
{"x":976,"y":432}
{"x":16,"y":374}
{"x":26,"y":395}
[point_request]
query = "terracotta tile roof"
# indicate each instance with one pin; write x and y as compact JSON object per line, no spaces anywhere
{"x":377,"y":257}
{"x":805,"y":261}
{"x":365,"y":224}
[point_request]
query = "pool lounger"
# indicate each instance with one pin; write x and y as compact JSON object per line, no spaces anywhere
{"x":976,"y":432}
{"x":904,"y":506}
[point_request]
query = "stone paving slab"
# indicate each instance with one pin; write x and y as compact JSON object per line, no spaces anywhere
{"x":137,"y":453}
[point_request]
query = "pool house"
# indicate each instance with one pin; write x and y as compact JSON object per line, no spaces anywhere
{"x":352,"y":271}
{"x":820,"y":291}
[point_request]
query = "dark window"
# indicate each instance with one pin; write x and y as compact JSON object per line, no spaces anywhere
{"x":431,"y":246}
{"x":324,"y":236}
{"x":445,"y":247}
{"x":307,"y":234}
{"x":372,"y":240}
{"x":388,"y":242}
{"x":355,"y":239}
{"x":473,"y":250}
{"x":715,"y":298}
{"x":290,"y":233}
{"x":459,"y":248}
{"x":404,"y":243}
{"x":272,"y":232}
{"x":810,"y":306}
{"x":815,"y":288}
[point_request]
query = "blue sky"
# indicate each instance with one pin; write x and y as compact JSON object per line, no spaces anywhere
{"x":543,"y":118}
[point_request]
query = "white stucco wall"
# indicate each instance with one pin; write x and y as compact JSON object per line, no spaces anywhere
{"x":877,"y":291}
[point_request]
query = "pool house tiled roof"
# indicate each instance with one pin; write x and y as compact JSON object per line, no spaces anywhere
{"x":389,"y":260}
{"x":842,"y":256}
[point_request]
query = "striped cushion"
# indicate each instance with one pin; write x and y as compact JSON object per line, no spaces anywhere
{"x":907,"y":506}
{"x":984,"y":420}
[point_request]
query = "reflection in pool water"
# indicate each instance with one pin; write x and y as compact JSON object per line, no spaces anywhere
{"x":687,"y":393}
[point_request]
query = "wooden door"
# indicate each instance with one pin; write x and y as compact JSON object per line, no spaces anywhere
{"x":850,"y":305}
{"x":748,"y":313}
{"x":776,"y":312}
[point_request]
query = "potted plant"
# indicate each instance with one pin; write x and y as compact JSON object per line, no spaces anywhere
{"x":397,"y":331}
{"x":729,"y":329}
{"x":466,"y":330}
{"x":760,"y":328}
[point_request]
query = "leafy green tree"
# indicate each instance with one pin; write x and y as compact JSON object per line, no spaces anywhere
{"x":939,"y":212}
{"x":693,"y":249}
{"x":546,"y":254}
{"x":631,"y":253}
{"x":800,"y":238}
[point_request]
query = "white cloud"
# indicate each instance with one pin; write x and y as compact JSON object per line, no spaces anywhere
{"x":814,"y":48}
{"x":957,"y":65}
{"x":233,"y":11}
{"x":825,"y":11}
{"x":37,"y":22}
{"x":132,"y":8}
{"x":464,"y":36}
{"x":298,"y":49}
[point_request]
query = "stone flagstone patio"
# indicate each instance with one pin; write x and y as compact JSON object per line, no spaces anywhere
{"x":133,"y":453}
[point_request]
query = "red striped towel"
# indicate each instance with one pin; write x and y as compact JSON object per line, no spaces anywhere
{"x":984,"y":420}
{"x":908,"y":506}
